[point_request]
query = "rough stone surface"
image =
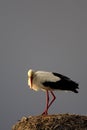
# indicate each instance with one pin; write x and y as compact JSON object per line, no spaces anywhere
{"x":52,"y":122}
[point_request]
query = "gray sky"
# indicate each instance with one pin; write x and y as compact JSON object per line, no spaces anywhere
{"x":48,"y":35}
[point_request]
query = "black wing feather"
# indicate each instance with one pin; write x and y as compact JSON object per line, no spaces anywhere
{"x":60,"y":76}
{"x":64,"y":84}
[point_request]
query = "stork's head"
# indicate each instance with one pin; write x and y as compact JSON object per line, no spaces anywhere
{"x":30,"y":73}
{"x":30,"y":77}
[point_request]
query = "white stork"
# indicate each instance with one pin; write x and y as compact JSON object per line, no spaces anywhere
{"x":49,"y":81}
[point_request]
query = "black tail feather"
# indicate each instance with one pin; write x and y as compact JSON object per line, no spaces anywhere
{"x":63,"y":84}
{"x":75,"y":91}
{"x":74,"y":87}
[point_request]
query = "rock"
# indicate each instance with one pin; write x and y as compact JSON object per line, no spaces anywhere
{"x":52,"y":122}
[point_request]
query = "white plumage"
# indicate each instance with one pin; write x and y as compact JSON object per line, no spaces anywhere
{"x":49,"y":81}
{"x":40,"y":77}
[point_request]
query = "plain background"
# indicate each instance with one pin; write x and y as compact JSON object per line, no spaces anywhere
{"x":48,"y":35}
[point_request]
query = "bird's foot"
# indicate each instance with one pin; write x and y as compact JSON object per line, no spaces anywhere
{"x":44,"y":113}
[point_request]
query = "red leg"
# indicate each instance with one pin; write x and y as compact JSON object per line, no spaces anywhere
{"x":54,"y":97}
{"x":47,"y":103}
